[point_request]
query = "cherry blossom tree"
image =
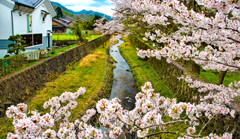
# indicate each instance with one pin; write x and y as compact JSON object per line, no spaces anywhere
{"x":210,"y":40}
{"x":108,"y":27}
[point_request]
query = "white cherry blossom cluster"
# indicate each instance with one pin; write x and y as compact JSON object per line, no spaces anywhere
{"x":221,"y":96}
{"x":220,"y":32}
{"x":150,"y":108}
{"x":36,"y":126}
{"x":147,"y":117}
{"x":109,"y":27}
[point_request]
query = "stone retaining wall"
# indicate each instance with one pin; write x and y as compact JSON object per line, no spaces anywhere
{"x":18,"y":86}
{"x":63,"y":42}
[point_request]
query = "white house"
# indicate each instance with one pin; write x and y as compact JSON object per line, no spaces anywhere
{"x":30,"y":18}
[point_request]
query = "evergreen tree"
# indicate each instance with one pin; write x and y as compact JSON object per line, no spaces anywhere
{"x":59,"y":12}
{"x":18,"y":45}
{"x":89,"y":25}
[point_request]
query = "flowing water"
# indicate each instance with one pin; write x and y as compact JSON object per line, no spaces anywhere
{"x":124,"y":87}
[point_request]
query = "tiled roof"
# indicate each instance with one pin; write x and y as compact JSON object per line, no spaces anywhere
{"x":67,"y":18}
{"x":64,"y":20}
{"x":29,"y":3}
{"x":59,"y":22}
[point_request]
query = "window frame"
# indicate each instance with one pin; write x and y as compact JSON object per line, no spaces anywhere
{"x":32,"y":36}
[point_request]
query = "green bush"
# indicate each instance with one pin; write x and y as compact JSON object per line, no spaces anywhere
{"x":13,"y":63}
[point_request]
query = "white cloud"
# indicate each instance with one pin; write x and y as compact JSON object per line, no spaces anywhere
{"x":78,"y":5}
{"x":103,"y":9}
{"x":78,"y":2}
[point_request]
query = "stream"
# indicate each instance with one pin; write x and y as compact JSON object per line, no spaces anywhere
{"x":124,"y":86}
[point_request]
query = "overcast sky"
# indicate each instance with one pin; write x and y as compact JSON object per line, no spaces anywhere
{"x":103,"y":6}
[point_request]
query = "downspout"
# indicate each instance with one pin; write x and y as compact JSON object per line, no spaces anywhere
{"x":12,"y":18}
{"x":12,"y":21}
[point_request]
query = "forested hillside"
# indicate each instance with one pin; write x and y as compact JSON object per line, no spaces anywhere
{"x":83,"y":13}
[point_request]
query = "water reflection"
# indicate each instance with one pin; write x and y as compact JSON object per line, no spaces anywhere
{"x":124,"y":86}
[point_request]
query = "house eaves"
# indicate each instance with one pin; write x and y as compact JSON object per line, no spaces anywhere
{"x":28,"y":3}
{"x":6,"y":3}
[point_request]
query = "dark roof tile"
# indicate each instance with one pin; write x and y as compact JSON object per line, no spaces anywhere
{"x":29,"y":3}
{"x":65,"y":25}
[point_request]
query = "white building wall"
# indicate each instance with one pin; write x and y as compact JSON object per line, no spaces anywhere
{"x":20,"y":23}
{"x":38,"y":25}
{"x":5,"y":22}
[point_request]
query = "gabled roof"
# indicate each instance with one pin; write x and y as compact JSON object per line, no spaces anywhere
{"x":28,"y":3}
{"x":69,"y":18}
{"x":61,"y":23}
{"x":64,"y":20}
{"x":82,"y":19}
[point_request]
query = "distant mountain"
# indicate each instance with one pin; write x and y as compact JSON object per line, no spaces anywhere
{"x":82,"y":13}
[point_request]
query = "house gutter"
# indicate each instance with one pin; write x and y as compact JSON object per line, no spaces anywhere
{"x":12,"y":19}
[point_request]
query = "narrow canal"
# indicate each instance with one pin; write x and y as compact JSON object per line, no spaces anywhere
{"x":124,"y":87}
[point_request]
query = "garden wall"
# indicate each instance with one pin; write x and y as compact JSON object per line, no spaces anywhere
{"x":169,"y":72}
{"x":18,"y":86}
{"x":64,"y":42}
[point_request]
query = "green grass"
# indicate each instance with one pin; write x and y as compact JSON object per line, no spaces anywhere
{"x":212,"y":76}
{"x":71,"y":37}
{"x":55,"y":52}
{"x":64,"y":37}
{"x":91,"y":37}
{"x":143,"y":71}
{"x":71,"y":80}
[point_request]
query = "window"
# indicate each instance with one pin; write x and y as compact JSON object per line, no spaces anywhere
{"x":32,"y":39}
{"x":37,"y":39}
{"x":44,"y":14}
{"x":28,"y":39}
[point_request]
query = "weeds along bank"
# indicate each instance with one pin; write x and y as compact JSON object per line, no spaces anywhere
{"x":164,"y":78}
{"x":18,"y":86}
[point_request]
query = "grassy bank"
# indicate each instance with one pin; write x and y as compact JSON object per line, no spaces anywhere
{"x":72,"y":37}
{"x":55,"y":52}
{"x":211,"y":76}
{"x":86,"y":73}
{"x":142,"y":70}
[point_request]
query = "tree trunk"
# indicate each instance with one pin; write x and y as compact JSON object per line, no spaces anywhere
{"x":221,"y":77}
{"x":184,"y":62}
{"x":195,"y":68}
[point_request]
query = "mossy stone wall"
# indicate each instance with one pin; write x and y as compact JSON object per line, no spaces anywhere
{"x":18,"y":86}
